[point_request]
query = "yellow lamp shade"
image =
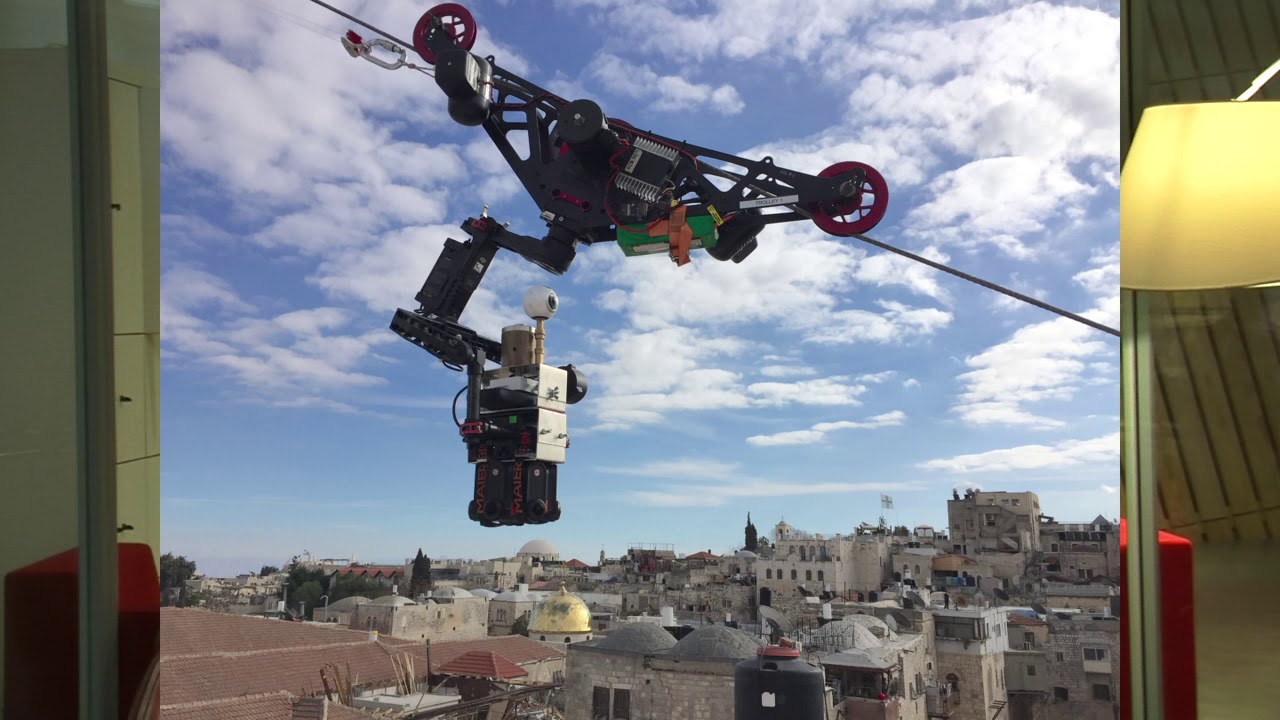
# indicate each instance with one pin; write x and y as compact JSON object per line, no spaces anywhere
{"x":1200,"y":198}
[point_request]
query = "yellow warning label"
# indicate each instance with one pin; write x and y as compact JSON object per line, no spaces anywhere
{"x":715,"y":215}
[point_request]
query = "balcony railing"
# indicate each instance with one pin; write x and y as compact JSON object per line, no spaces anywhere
{"x":857,"y":708}
{"x":939,"y":704}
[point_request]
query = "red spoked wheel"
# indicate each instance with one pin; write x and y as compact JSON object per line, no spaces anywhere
{"x":859,"y":213}
{"x":457,"y":21}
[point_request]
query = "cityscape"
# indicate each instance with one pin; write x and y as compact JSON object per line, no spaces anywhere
{"x":1008,"y":612}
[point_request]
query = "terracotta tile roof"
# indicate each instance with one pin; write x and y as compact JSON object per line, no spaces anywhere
{"x":576,"y":563}
{"x":193,"y":631}
{"x":702,"y":555}
{"x":275,"y":706}
{"x":276,"y":656}
{"x":482,"y":664}
{"x":372,"y":570}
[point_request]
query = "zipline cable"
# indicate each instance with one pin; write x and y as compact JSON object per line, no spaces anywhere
{"x":991,"y":286}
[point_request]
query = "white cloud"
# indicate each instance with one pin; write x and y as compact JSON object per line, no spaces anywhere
{"x":204,"y":322}
{"x":911,"y":383}
{"x":663,"y":92}
{"x":1068,"y":453}
{"x":819,"y":432}
{"x":716,"y":495}
{"x":1044,"y":361}
{"x":780,"y":371}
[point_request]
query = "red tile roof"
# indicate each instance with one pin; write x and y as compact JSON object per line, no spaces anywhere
{"x":275,"y":706}
{"x":702,"y":555}
{"x":372,"y":570}
{"x":576,"y":563}
{"x":245,"y":656}
{"x":482,"y":664}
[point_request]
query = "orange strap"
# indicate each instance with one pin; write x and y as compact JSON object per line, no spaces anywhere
{"x":679,"y":235}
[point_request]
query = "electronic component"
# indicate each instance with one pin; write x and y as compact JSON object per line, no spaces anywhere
{"x":648,"y":167}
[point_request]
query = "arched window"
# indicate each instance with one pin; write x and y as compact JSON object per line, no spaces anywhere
{"x":905,"y":569}
{"x":917,"y":569}
{"x":566,"y":640}
{"x":793,"y":574}
{"x":802,"y":553}
{"x":768,"y":573}
{"x":791,"y":550}
{"x":808,"y":575}
{"x":820,"y":578}
{"x":953,"y":681}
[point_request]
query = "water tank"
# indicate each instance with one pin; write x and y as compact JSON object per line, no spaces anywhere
{"x":778,"y":684}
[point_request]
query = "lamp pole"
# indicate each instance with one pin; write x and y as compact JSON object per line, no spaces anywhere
{"x":325,"y":598}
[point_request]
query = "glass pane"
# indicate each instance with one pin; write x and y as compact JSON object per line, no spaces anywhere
{"x":40,"y":433}
{"x":1216,"y":421}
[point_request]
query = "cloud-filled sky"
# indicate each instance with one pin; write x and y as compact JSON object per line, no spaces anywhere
{"x":307,"y":194}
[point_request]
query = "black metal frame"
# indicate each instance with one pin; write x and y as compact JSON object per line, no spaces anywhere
{"x":571,"y":184}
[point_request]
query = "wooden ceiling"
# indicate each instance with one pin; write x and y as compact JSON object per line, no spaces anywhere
{"x":1217,"y":354}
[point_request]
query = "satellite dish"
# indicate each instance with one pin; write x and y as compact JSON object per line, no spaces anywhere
{"x":776,"y":619}
{"x":915,"y":598}
{"x":899,"y":619}
{"x":1040,"y":609}
{"x":1063,"y":616}
{"x":1001,"y":594}
{"x":891,"y":623}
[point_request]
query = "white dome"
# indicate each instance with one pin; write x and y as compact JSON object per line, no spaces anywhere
{"x":450,"y":592}
{"x":396,"y":600}
{"x":515,"y":596}
{"x":481,"y":592}
{"x":540,"y":548}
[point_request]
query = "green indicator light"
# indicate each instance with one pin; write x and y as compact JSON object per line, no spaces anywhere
{"x":511,"y":420}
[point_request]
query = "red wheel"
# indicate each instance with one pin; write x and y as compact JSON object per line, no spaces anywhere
{"x":859,"y":213}
{"x":457,"y":22}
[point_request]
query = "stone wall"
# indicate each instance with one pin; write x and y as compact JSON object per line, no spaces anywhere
{"x":658,"y":687}
{"x":1068,"y":639}
{"x":982,"y":679}
{"x":464,"y":619}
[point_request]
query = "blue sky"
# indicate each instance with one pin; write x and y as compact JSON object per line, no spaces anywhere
{"x":307,"y":194}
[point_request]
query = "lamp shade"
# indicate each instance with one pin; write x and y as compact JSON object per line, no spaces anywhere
{"x":1200,"y":198}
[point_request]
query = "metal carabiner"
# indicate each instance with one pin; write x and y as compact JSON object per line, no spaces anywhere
{"x":356,"y":47}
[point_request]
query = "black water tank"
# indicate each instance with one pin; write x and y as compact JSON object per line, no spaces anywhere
{"x":777,"y":684}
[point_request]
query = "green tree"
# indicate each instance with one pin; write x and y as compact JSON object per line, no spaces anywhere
{"x":346,"y":586}
{"x":298,"y":578}
{"x":420,"y":580}
{"x":307,"y":597}
{"x":521,"y":625}
{"x":268,"y":570}
{"x":175,"y":571}
{"x":752,"y":538}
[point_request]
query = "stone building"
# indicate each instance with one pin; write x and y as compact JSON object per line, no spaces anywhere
{"x":878,"y":670}
{"x":639,"y":671}
{"x":1080,"y":551}
{"x":1083,"y":658}
{"x":339,"y":611}
{"x":561,"y":620}
{"x":508,"y":607}
{"x":970,"y":645}
{"x":994,"y":522}
{"x":841,"y":564}
{"x":444,"y":621}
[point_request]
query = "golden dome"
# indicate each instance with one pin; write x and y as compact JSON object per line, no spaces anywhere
{"x":561,"y":614}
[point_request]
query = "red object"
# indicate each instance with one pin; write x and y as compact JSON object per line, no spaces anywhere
{"x":866,"y":213}
{"x":457,"y":21}
{"x":482,"y":664}
{"x":1177,"y":623}
{"x":354,"y":38}
{"x":42,"y":633}
{"x":778,"y":652}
